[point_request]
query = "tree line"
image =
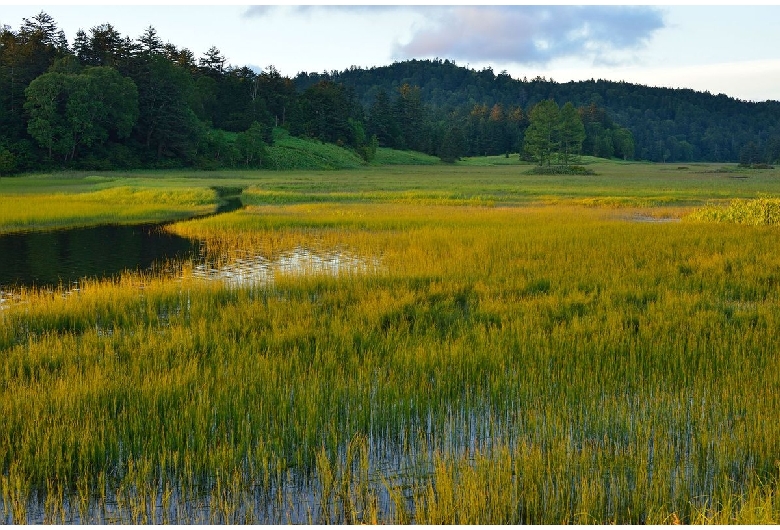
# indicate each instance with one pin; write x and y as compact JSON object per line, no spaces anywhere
{"x":666,"y":125}
{"x":108,"y":101}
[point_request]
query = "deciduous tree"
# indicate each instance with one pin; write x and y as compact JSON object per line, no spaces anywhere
{"x":251,"y":146}
{"x":71,"y":110}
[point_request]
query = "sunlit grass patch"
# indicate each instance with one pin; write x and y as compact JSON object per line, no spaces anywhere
{"x":112,"y":205}
{"x":385,"y":156}
{"x":756,"y":212}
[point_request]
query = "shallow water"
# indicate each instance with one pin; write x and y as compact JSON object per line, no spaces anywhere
{"x":295,"y":496}
{"x":256,"y":269}
{"x":650,"y":219}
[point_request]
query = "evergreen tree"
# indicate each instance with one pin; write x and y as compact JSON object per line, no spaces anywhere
{"x":149,"y":43}
{"x":166,"y":124}
{"x":104,"y":47}
{"x":571,"y":133}
{"x":542,"y":136}
{"x":213,"y":62}
{"x":772,"y":150}
{"x":275,"y":93}
{"x":42,"y":31}
{"x":7,"y":161}
{"x":749,"y":154}
{"x":410,"y":117}
{"x":324,"y":112}
{"x":382,"y":122}
{"x":453,"y":145}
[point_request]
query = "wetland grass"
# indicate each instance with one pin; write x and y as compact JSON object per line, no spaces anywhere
{"x":760,"y":211}
{"x":108,"y":206}
{"x":514,"y":364}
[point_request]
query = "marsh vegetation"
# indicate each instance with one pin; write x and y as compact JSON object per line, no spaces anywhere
{"x":502,"y":348}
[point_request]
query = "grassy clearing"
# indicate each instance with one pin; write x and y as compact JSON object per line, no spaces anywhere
{"x":289,"y":152}
{"x":393,"y":157}
{"x":531,"y":363}
{"x":616,"y":185}
{"x":477,"y":181}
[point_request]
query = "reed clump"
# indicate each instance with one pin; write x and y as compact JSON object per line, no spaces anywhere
{"x":755,"y":212}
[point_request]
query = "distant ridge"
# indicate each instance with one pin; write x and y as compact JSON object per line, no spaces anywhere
{"x":668,"y":124}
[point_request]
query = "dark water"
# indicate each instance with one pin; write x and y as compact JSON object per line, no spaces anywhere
{"x":57,"y":257}
{"x":64,"y":256}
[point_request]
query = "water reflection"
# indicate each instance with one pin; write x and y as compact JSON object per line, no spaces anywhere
{"x":64,"y":256}
{"x":256,"y":269}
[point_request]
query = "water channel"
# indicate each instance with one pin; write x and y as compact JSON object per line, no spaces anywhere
{"x":49,"y":259}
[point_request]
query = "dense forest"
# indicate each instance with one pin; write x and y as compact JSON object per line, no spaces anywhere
{"x":666,"y":124}
{"x":108,"y":101}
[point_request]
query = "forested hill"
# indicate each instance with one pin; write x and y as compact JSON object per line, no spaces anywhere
{"x":667,"y":124}
{"x":107,"y":101}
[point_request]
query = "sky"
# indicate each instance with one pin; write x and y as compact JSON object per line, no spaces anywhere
{"x":734,"y":50}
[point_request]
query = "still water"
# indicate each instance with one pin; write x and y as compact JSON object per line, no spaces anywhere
{"x":62,"y":257}
{"x":51,"y":258}
{"x":65,"y":256}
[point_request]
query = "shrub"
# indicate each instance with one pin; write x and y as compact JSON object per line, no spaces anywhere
{"x":560,"y":170}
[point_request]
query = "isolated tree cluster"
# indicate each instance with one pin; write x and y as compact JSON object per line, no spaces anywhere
{"x":554,"y":133}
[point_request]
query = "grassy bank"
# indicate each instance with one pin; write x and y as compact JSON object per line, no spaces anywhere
{"x":121,"y":205}
{"x":543,"y":358}
{"x":69,"y":199}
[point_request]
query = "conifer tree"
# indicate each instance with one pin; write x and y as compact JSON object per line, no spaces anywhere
{"x":572,"y":133}
{"x":542,"y":135}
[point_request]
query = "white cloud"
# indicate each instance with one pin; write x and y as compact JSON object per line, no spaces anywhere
{"x":534,"y":34}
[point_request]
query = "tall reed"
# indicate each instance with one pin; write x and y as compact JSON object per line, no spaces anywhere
{"x":498,"y":365}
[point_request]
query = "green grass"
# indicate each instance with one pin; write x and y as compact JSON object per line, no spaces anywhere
{"x":615,"y":184}
{"x":394,"y":157}
{"x":523,"y":352}
{"x":289,"y":152}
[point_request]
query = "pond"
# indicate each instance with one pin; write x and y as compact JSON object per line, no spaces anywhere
{"x":64,"y":256}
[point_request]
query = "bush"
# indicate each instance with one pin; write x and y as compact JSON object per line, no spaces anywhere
{"x":560,"y":170}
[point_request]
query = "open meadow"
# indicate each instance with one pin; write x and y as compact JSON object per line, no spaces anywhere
{"x":429,"y":344}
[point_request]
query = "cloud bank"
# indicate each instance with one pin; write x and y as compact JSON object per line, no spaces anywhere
{"x":524,"y":34}
{"x":260,"y":11}
{"x":534,"y":34}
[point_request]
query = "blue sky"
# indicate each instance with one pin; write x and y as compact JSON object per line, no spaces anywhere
{"x":733,"y":50}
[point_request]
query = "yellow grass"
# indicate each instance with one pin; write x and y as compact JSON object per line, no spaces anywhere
{"x":514,"y":364}
{"x":114,"y":205}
